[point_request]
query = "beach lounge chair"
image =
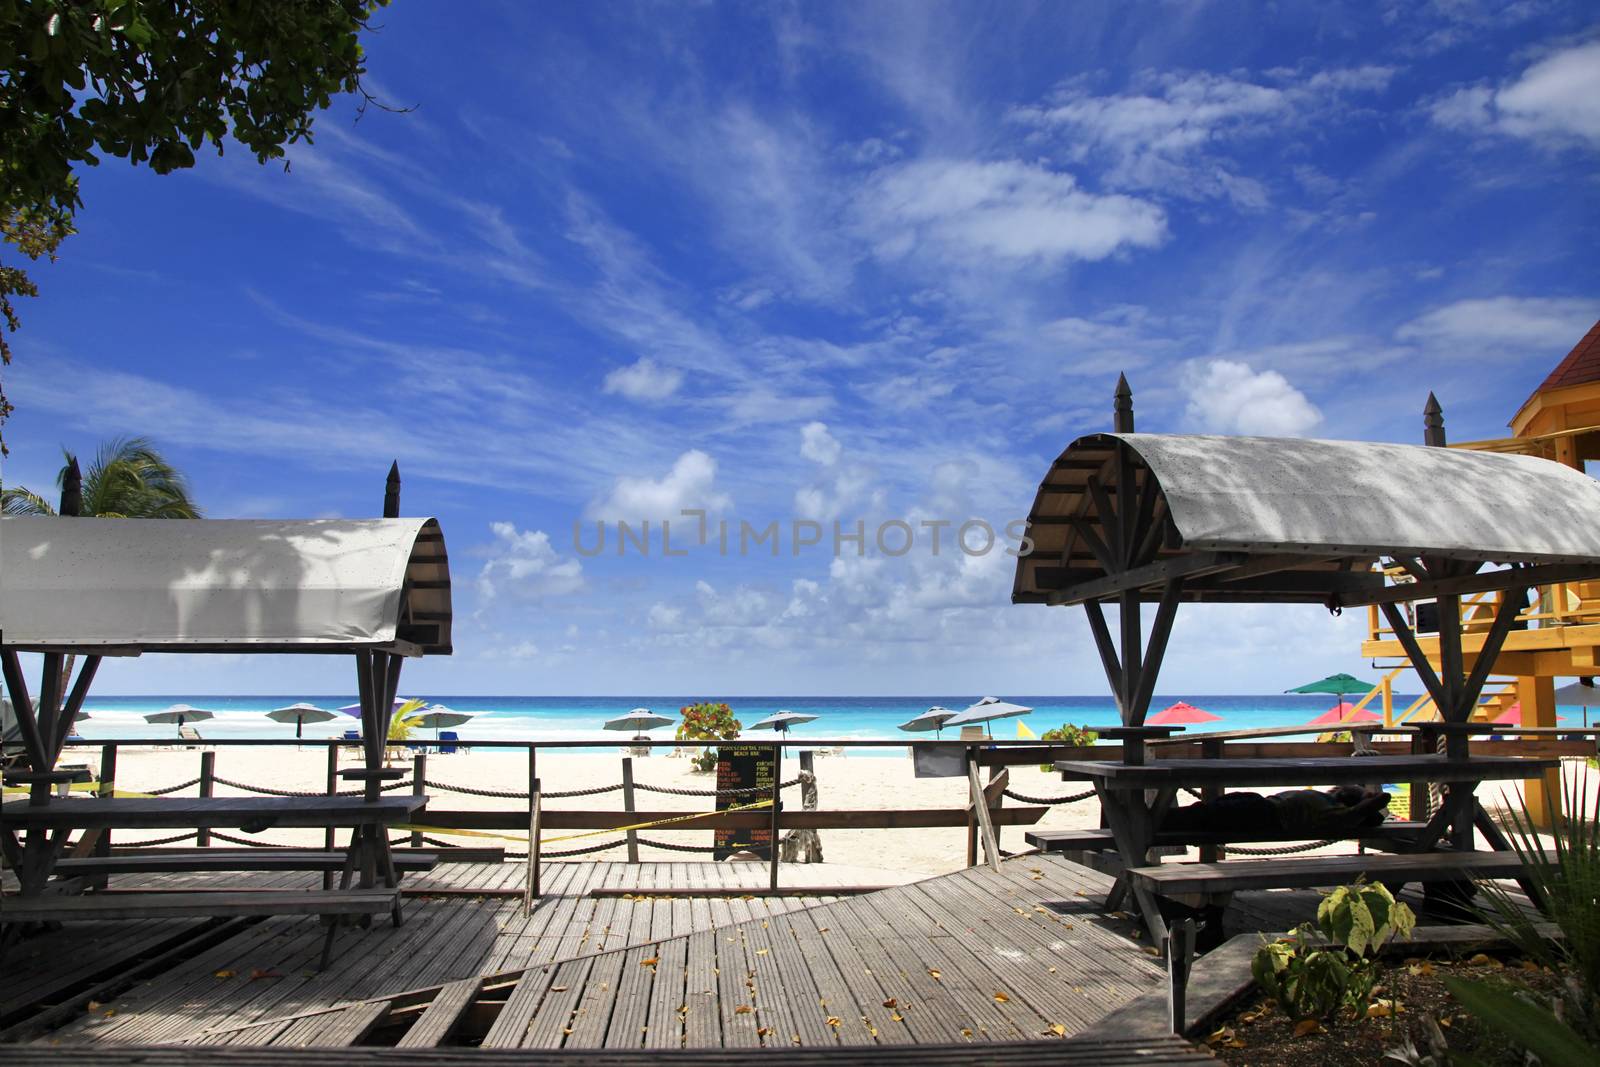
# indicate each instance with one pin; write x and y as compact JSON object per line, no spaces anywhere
{"x":447,"y":742}
{"x":190,"y":734}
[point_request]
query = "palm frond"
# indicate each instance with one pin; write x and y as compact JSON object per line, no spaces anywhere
{"x":21,"y":501}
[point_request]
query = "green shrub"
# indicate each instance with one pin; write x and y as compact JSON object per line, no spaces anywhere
{"x":1321,"y":968}
{"x":1563,"y":868}
{"x":708,"y":722}
{"x":1066,"y":733}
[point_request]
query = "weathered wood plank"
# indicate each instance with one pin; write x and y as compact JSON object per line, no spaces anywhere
{"x":440,"y":1018}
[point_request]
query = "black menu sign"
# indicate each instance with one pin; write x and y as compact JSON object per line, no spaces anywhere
{"x":745,"y":767}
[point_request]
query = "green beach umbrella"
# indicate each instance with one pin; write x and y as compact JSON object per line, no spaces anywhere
{"x":1337,"y":684}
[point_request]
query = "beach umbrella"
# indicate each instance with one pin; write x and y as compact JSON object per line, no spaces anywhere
{"x":987,"y":710}
{"x":180,"y":714}
{"x":932,"y":719}
{"x":300,"y":714}
{"x":354,"y":710}
{"x":1580,"y":694}
{"x":1181,"y":714}
{"x":781,"y":721}
{"x":1337,"y":684}
{"x":1344,"y":713}
{"x":438,"y":717}
{"x":1512,"y":716}
{"x":638,"y":721}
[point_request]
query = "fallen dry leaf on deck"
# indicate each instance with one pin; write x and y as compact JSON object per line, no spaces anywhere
{"x":260,"y":973}
{"x":1001,"y":998}
{"x":761,"y":952}
{"x":650,"y":961}
{"x":834,"y":1021}
{"x":558,"y":989}
{"x":223,"y":974}
{"x":1058,"y":1029}
{"x":765,"y":1031}
{"x":743,"y":1009}
{"x":891,"y":1003}
{"x":897,"y":1017}
{"x":1307,"y":1026}
{"x":934,"y":974}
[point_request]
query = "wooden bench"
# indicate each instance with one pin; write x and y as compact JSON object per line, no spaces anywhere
{"x":60,"y":908}
{"x":1101,"y":840}
{"x":1218,"y":880}
{"x":224,"y":860}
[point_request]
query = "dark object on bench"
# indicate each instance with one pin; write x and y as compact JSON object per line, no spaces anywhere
{"x":1295,"y":813}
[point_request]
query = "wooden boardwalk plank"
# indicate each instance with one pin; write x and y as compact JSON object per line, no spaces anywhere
{"x":702,"y":1025}
{"x":440,"y":1018}
{"x":664,"y":1023}
{"x":337,"y":1029}
{"x":592,"y":1016}
{"x":510,"y":1027}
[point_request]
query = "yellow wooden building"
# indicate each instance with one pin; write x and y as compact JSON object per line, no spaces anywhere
{"x":1557,"y":636}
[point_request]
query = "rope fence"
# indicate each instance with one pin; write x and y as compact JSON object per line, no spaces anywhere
{"x":1023,"y":798}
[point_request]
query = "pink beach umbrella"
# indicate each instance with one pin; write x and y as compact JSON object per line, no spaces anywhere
{"x":1512,"y":716}
{"x":1344,"y":713}
{"x":1181,"y":714}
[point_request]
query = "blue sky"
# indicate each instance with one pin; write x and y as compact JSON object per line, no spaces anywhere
{"x":825,"y":262}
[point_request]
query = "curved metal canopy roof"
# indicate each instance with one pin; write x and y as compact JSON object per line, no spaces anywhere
{"x":1287,"y":519}
{"x":127,"y":586}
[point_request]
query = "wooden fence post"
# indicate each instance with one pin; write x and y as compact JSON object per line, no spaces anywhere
{"x":627,"y":805}
{"x":530,"y":888}
{"x":208,"y":784}
{"x":107,"y":787}
{"x":419,"y":786}
{"x":777,"y":805}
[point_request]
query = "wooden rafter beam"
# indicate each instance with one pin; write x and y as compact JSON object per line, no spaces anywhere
{"x":1151,"y":574}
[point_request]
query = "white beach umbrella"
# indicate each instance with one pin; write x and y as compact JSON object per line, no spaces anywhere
{"x":638,"y":721}
{"x":987,"y":710}
{"x":781,"y":721}
{"x":300,"y":714}
{"x":1580,"y":694}
{"x":932,"y":719}
{"x":180,"y":714}
{"x":437,"y":717}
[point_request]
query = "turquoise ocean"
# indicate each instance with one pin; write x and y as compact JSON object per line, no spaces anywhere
{"x":503,"y":718}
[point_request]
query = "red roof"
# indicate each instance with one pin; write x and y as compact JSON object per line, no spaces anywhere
{"x":1582,"y":364}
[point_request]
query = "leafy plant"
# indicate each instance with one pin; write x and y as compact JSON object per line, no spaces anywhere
{"x":1067,"y":733}
{"x":1321,"y":968}
{"x":1532,"y":1026}
{"x":708,"y":722}
{"x":404,"y":721}
{"x":1565,"y":875}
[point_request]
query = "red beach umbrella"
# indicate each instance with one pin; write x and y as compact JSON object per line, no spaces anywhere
{"x":1343,"y":713}
{"x":1181,"y":714}
{"x":1512,"y":716}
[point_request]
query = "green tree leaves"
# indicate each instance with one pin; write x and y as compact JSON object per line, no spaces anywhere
{"x":153,"y":82}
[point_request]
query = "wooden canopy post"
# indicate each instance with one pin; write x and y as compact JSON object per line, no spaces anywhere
{"x":1130,"y":538}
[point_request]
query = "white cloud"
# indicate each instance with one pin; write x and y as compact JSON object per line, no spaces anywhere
{"x":1557,"y":101}
{"x":1494,"y":324}
{"x":818,"y":445}
{"x":1009,"y":212}
{"x":1229,"y":397}
{"x":523,"y":563}
{"x":644,"y":380}
{"x":691,"y":483}
{"x":1168,"y":137}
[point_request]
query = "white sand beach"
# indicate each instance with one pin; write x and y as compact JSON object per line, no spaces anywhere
{"x":844,"y":781}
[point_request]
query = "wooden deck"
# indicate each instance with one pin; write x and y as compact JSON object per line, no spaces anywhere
{"x":973,"y":957}
{"x":248,"y":969}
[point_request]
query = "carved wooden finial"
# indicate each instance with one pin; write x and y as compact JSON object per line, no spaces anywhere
{"x":1433,"y":422}
{"x":1122,"y":407}
{"x":71,"y":489}
{"x":391,"y":492}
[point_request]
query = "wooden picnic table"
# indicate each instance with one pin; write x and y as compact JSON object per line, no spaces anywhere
{"x":368,"y":860}
{"x":1137,"y":797}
